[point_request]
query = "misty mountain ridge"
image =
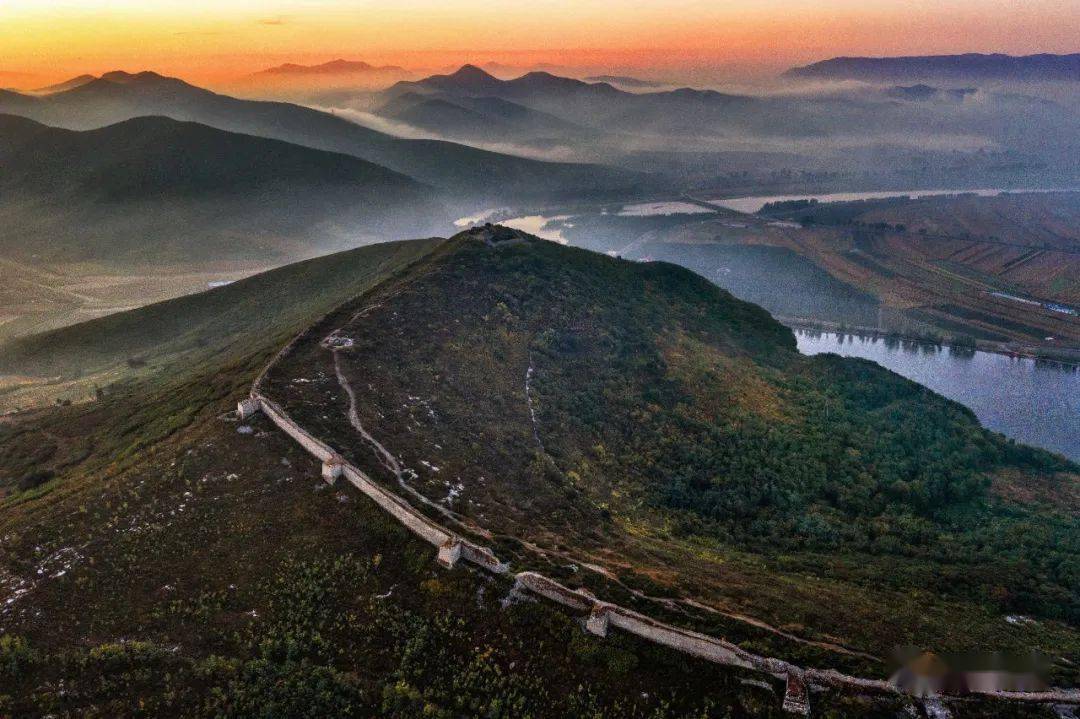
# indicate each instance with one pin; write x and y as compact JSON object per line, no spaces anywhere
{"x":595,"y":105}
{"x":70,"y":84}
{"x":148,"y":157}
{"x":333,"y":67}
{"x":471,"y":175}
{"x":479,"y":118}
{"x":971,"y":66}
{"x":472,"y":80}
{"x":624,"y":80}
{"x":154,"y":189}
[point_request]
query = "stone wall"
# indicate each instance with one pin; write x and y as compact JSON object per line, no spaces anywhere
{"x":601,"y":615}
{"x":318,"y":449}
{"x":452,"y":548}
{"x":397,"y":507}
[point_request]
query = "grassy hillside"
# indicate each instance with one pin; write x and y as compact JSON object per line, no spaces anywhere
{"x":157,"y":190}
{"x":215,"y":575}
{"x":158,"y":559}
{"x":68,"y":363}
{"x":652,"y":436}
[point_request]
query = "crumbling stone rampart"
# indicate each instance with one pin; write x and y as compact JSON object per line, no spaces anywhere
{"x":453,"y":549}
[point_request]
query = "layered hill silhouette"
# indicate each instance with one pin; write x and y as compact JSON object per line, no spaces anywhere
{"x":604,"y":108}
{"x":333,"y":67}
{"x":972,"y":66}
{"x":597,"y":105}
{"x":1007,"y":118}
{"x":458,"y":171}
{"x":156,"y":190}
{"x":70,"y":84}
{"x":480,"y":119}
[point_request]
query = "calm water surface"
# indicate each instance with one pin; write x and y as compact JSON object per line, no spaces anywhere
{"x":1032,"y":402}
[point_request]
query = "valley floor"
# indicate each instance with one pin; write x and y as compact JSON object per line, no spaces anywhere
{"x":37,"y":298}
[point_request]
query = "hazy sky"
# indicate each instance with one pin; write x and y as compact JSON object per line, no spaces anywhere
{"x":215,"y":38}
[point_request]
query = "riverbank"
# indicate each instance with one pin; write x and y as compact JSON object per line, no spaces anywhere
{"x":1041,"y":353}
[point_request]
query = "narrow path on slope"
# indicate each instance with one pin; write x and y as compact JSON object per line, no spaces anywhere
{"x":387,"y":458}
{"x":641,"y":625}
{"x":829,"y":646}
{"x":532,"y":409}
{"x":391,"y":463}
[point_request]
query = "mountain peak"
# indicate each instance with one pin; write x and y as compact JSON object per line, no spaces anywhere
{"x":340,"y":66}
{"x":493,"y":235}
{"x":70,"y":84}
{"x":472,"y":72}
{"x":118,"y":81}
{"x":125,"y":78}
{"x":542,"y":78}
{"x":343,"y":64}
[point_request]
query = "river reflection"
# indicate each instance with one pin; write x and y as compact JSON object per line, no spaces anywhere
{"x":1033,"y":402}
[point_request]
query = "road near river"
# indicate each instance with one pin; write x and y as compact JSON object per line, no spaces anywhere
{"x":1033,"y":402}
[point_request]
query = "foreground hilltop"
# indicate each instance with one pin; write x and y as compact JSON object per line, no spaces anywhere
{"x":215,"y":574}
{"x":633,"y":429}
{"x":603,"y":421}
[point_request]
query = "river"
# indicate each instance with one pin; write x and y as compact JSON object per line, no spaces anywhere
{"x":1033,"y":402}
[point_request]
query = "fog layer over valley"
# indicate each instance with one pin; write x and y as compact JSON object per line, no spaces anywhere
{"x":819,"y":136}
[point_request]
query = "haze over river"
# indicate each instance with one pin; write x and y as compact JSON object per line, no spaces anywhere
{"x":1033,"y":402}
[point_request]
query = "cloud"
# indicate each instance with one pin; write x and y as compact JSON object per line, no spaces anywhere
{"x":272,"y":21}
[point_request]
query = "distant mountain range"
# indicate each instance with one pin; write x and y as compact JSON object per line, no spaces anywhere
{"x":155,"y":190}
{"x":611,"y":121}
{"x":972,"y":66}
{"x":465,"y":174}
{"x":478,"y":119}
{"x":334,"y":67}
{"x":65,"y":85}
{"x":595,"y":105}
{"x":623,"y":80}
{"x":472,"y":80}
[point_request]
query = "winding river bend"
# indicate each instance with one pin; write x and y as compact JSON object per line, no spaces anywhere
{"x":1033,"y":402}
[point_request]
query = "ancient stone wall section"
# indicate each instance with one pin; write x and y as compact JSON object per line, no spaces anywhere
{"x":319,"y":450}
{"x":699,"y":645}
{"x":601,"y":615}
{"x":453,"y":548}
{"x":397,"y":507}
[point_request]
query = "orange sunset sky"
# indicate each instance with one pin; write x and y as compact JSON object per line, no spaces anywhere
{"x":219,"y":40}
